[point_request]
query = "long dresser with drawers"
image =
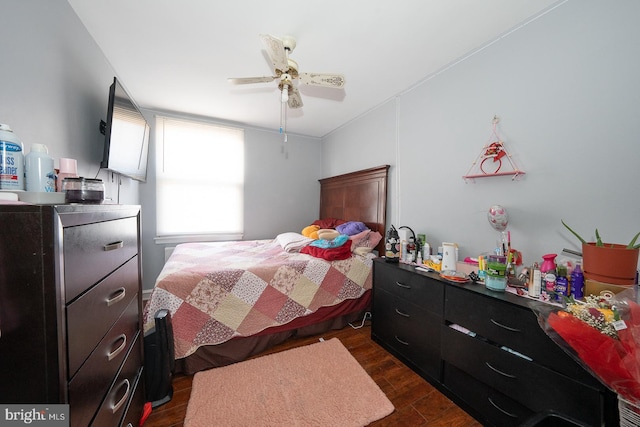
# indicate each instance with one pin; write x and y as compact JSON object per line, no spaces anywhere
{"x":70,"y":311}
{"x":484,"y":350}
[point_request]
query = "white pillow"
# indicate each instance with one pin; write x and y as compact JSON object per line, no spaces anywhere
{"x":292,"y":242}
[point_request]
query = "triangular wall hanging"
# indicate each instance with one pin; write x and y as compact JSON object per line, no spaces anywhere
{"x":492,"y":158}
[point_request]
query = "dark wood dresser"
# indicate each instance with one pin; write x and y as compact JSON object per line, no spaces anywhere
{"x":483,"y":349}
{"x":70,"y":310}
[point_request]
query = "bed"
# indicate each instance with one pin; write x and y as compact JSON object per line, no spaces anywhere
{"x":231,"y":300}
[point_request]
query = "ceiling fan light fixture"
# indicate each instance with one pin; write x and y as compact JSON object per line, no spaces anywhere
{"x":285,"y":72}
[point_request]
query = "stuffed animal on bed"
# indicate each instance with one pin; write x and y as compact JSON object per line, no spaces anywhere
{"x":311,"y":231}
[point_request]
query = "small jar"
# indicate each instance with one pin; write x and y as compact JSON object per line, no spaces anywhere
{"x":496,"y":279}
{"x":83,"y":190}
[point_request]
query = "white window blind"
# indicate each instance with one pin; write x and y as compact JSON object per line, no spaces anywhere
{"x":199,"y":181}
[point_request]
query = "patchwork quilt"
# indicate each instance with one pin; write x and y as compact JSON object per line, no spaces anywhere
{"x":216,"y":291}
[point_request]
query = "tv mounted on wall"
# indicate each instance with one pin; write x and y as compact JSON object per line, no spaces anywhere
{"x":126,"y":132}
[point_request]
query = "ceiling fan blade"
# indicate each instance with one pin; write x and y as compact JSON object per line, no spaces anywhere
{"x":295,"y":101}
{"x":275,"y":50}
{"x":246,"y":80}
{"x":326,"y":80}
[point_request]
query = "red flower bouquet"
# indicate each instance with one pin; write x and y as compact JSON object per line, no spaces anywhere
{"x":603,"y":334}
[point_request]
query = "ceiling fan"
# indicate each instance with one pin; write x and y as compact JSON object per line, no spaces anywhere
{"x":286,"y":71}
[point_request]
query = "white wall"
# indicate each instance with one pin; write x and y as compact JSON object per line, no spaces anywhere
{"x":567,"y":91}
{"x":55,"y":86}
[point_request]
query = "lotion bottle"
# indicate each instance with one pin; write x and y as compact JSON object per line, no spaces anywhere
{"x":535,"y":287}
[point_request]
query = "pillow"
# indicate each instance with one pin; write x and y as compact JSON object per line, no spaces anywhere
{"x":356,"y":238}
{"x":311,"y":231}
{"x":352,"y":227}
{"x":362,"y":251}
{"x":327,"y":234}
{"x":292,"y":242}
{"x":328,"y":223}
{"x":370,"y":241}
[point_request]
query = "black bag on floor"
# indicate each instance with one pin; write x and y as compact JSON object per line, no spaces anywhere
{"x":159,"y":360}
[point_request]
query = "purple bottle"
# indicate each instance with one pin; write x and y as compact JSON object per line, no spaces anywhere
{"x":577,"y":282}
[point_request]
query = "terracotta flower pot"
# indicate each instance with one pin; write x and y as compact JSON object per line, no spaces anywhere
{"x":611,"y":263}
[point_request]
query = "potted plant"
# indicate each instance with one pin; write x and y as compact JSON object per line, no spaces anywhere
{"x":609,"y":262}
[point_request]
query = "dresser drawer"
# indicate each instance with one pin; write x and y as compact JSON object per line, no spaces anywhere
{"x":88,"y":387}
{"x":133,"y":412}
{"x":92,"y":251}
{"x":124,"y":388}
{"x":530,"y":384}
{"x":512,"y":326}
{"x":90,"y":316}
{"x":421,"y":290}
{"x":411,"y":331}
{"x":494,"y":407}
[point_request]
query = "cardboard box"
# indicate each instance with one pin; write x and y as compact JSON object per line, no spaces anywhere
{"x":593,"y":287}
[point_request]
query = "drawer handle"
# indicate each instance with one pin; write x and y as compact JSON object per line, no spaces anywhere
{"x":508,"y":414}
{"x":400,"y":341}
{"x":118,"y":350}
{"x":504,"y":326}
{"x":499,"y":371}
{"x":122,"y":401}
{"x":401,"y":313}
{"x":402,"y":285}
{"x":113,"y":246}
{"x":118,"y":295}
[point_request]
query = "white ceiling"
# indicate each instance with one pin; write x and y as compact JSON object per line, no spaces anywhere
{"x":176,"y":55}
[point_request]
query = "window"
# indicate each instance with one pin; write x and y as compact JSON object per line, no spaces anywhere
{"x":199,"y":181}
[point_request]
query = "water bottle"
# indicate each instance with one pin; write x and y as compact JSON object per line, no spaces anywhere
{"x":11,"y":160}
{"x":39,"y":172}
{"x":577,"y":282}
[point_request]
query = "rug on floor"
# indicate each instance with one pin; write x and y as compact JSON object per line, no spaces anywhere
{"x":319,"y":384}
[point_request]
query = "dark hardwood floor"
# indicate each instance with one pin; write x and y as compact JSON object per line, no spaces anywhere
{"x":417,"y":402}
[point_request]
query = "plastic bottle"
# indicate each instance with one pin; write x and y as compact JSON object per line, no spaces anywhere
{"x":11,"y":160}
{"x":562,"y":283}
{"x":549,"y":274}
{"x":392,"y":244}
{"x":577,"y":282}
{"x":411,"y":250}
{"x":536,"y":281}
{"x":39,"y":173}
{"x":426,"y":251}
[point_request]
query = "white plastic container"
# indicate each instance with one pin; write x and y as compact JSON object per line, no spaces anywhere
{"x":39,"y":173}
{"x":11,"y":160}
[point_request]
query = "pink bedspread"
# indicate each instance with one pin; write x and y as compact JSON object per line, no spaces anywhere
{"x":218,"y":291}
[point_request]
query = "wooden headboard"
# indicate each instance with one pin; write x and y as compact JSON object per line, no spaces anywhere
{"x":357,"y":196}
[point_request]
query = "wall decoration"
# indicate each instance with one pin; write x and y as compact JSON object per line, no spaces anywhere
{"x":494,"y":159}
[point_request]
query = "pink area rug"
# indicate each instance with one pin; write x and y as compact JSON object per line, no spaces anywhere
{"x":316,"y":385}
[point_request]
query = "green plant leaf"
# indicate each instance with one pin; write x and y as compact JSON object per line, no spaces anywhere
{"x":632,"y":244}
{"x":598,"y":239}
{"x":573,"y":232}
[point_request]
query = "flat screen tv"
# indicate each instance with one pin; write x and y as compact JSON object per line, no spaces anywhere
{"x":126,"y":143}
